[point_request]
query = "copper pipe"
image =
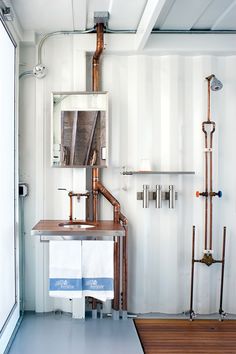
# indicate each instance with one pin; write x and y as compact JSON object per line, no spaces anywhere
{"x":95,"y":178}
{"x":211,"y":184}
{"x":209,"y":98}
{"x":95,"y":87}
{"x":221,"y":312}
{"x":71,"y":206}
{"x":124,"y":269}
{"x":116,"y":300}
{"x":97,"y":187}
{"x":111,"y":199}
{"x":96,"y":56}
{"x":94,"y":303}
{"x":192,"y":275}
{"x":78,"y":195}
{"x":206,"y":161}
{"x":211,"y":172}
{"x":123,"y":219}
{"x":206,"y":187}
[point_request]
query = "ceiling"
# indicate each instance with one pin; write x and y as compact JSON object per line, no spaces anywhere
{"x":50,"y":15}
{"x":198,"y":15}
{"x":139,"y":16}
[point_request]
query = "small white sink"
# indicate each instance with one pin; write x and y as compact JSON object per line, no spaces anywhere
{"x":79,"y":225}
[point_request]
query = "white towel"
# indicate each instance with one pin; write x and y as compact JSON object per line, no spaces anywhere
{"x":98,"y":269}
{"x":65,"y":276}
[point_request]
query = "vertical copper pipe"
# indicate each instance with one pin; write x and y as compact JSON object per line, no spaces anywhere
{"x":94,"y":303}
{"x":116,"y":301}
{"x":95,"y":178}
{"x":222,"y":272}
{"x":96,"y":57}
{"x":124,"y":269}
{"x":209,"y":98}
{"x":206,"y":189}
{"x":209,"y":118}
{"x":95,"y":87}
{"x":98,"y":187}
{"x":71,"y":206}
{"x":192,"y":275}
{"x":211,"y":185}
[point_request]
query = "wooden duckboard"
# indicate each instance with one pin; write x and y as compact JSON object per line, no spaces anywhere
{"x":184,"y":336}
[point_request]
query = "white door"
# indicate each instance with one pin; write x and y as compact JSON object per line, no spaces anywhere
{"x":8,"y":282}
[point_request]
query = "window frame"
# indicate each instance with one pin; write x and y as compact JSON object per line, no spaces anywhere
{"x":2,"y":329}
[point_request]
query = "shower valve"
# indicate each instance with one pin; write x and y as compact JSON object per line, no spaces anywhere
{"x":210,"y":194}
{"x":203,"y":194}
{"x":216,"y":194}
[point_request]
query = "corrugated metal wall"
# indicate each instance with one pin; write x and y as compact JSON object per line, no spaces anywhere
{"x":157,"y":105}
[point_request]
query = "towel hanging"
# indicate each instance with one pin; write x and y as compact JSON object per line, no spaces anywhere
{"x":65,"y":276}
{"x":98,"y":269}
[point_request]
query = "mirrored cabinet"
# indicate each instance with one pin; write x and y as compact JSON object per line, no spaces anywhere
{"x":79,"y":129}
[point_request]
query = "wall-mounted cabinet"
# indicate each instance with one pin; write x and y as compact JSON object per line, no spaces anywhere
{"x":79,"y":129}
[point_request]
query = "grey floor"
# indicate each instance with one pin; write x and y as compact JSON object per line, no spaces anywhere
{"x":60,"y":334}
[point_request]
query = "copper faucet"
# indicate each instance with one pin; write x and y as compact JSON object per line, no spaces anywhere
{"x":71,"y":195}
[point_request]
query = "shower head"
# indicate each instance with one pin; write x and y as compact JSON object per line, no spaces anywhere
{"x":216,"y":84}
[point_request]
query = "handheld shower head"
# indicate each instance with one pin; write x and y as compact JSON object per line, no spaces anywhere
{"x":216,"y":84}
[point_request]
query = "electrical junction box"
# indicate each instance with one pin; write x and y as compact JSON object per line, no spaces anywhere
{"x":23,"y":189}
{"x":101,"y":17}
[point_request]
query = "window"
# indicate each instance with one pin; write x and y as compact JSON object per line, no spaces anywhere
{"x":7,"y":177}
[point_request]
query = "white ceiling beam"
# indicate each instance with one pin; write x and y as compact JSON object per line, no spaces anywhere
{"x":151,"y":12}
{"x":79,"y":13}
{"x":191,"y":44}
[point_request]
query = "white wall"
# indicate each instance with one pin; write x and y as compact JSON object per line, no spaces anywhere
{"x":157,"y":104}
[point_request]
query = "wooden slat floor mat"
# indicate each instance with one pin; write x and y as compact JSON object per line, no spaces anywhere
{"x":183,"y":336}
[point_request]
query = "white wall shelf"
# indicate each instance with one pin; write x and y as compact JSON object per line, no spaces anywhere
{"x":130,"y":173}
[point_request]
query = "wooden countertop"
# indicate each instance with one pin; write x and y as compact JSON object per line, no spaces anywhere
{"x":52,"y":228}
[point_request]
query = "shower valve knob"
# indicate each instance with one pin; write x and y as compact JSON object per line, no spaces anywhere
{"x":203,"y":194}
{"x":220,"y":194}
